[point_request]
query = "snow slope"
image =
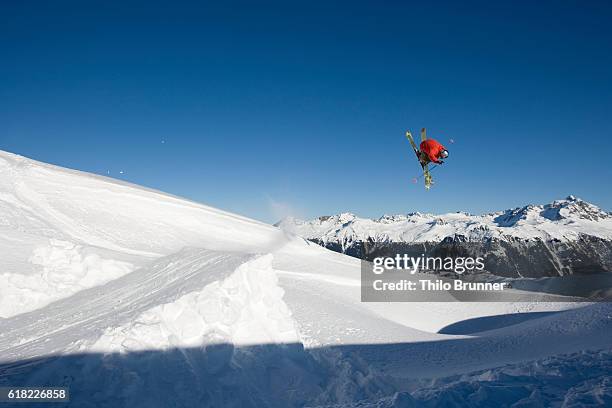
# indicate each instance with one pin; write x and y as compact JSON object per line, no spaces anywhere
{"x":62,"y":230}
{"x":133,"y":297}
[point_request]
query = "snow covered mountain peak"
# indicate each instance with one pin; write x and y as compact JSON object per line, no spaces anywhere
{"x":389,"y":219}
{"x":342,"y":218}
{"x":570,"y":208}
{"x":576,"y":207}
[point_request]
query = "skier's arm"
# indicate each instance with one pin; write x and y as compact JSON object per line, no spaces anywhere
{"x":436,"y":158}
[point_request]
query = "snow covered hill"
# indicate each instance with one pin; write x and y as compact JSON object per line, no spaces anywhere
{"x":564,"y":237}
{"x":62,"y":231}
{"x":132,"y":297}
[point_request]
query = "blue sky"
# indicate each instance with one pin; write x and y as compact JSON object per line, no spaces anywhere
{"x":301,"y":107}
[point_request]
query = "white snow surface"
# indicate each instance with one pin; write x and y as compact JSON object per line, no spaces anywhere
{"x":564,"y":220}
{"x":133,"y":297}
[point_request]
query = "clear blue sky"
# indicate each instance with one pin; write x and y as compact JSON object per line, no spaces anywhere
{"x":266,"y":108}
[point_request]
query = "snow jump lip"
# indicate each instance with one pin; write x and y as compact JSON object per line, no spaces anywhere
{"x":54,"y":328}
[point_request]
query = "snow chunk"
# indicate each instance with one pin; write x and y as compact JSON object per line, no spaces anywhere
{"x":62,"y":269}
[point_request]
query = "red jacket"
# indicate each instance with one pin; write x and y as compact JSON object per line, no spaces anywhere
{"x":432,"y":148}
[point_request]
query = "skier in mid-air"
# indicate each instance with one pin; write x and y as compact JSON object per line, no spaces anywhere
{"x":431,"y":151}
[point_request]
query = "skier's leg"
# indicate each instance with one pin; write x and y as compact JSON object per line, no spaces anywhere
{"x":423,"y":159}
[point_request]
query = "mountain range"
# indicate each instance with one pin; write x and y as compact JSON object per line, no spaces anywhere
{"x":567,"y":236}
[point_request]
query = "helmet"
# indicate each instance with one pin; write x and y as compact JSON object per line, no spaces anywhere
{"x":444,"y":154}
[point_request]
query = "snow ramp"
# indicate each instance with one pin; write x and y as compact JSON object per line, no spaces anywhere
{"x":194,"y":292}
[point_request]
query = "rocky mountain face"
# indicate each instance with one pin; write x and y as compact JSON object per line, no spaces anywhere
{"x":569,"y":236}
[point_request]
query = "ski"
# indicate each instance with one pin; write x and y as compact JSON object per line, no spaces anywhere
{"x":428,"y":179}
{"x":414,"y":147}
{"x":426,"y":174}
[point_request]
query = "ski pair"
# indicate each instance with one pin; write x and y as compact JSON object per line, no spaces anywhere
{"x":424,"y":165}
